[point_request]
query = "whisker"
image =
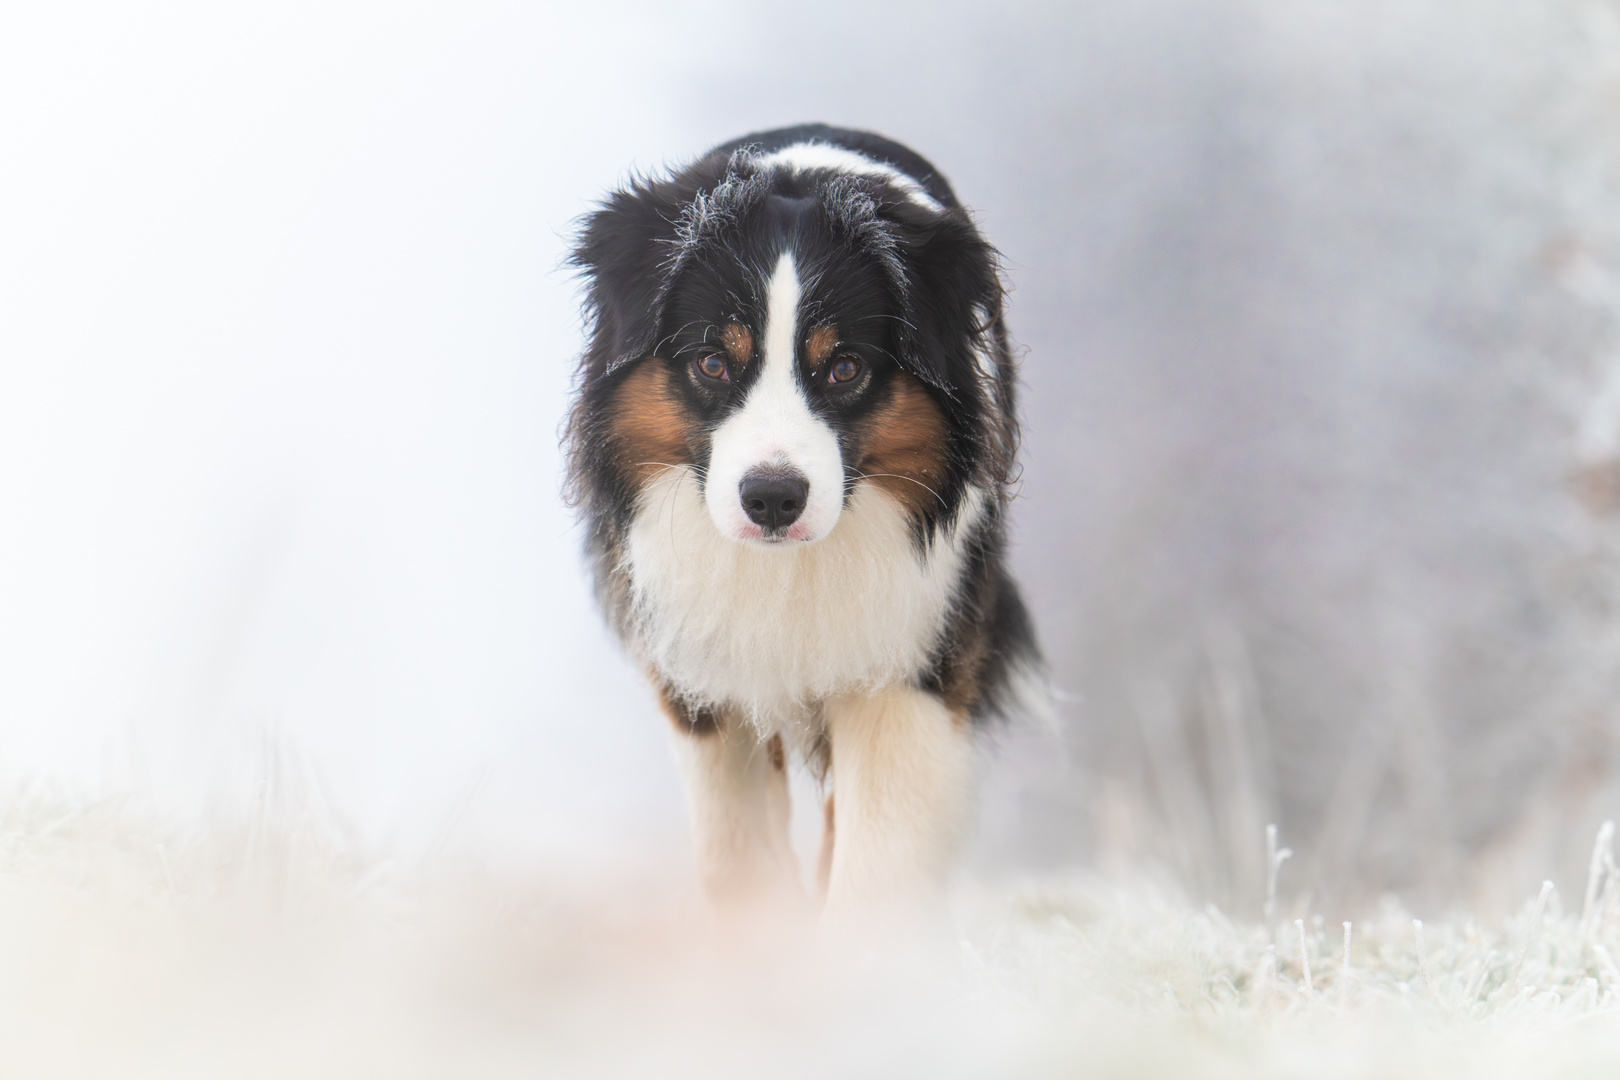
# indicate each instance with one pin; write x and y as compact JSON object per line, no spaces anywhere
{"x":695,"y":468}
{"x":897,"y":476}
{"x":885,"y":315}
{"x":677,"y":333}
{"x":675,"y":484}
{"x":701,"y":473}
{"x":672,"y":486}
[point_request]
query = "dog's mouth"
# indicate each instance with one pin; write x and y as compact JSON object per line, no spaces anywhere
{"x":775,"y":535}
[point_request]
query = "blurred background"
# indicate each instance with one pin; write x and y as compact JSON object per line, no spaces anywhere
{"x":1322,"y":399}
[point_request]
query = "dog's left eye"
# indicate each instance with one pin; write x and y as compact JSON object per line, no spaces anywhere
{"x":713,"y":367}
{"x":844,"y":370}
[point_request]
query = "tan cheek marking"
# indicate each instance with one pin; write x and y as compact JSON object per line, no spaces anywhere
{"x":820,"y":346}
{"x":773,"y":746}
{"x":903,"y":446}
{"x":649,"y":424}
{"x":739,"y":343}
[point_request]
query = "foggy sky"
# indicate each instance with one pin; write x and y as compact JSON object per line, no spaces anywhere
{"x":1314,"y":304}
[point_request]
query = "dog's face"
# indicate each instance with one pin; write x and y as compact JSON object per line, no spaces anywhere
{"x":785,"y":336}
{"x":784,"y":371}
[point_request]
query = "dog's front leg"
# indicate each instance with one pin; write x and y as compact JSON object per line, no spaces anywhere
{"x":737,"y":793}
{"x":901,"y":766}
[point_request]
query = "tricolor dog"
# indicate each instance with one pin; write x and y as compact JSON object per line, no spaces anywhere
{"x":791,"y":447}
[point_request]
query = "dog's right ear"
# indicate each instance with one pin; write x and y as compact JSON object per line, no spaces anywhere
{"x":625,"y":250}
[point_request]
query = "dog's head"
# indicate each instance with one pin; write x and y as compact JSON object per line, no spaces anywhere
{"x":787,"y":326}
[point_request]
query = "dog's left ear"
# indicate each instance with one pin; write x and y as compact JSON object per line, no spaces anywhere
{"x":951,"y":295}
{"x":624,"y":249}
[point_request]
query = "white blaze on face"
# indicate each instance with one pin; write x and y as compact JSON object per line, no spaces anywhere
{"x":775,"y":430}
{"x":805,"y":156}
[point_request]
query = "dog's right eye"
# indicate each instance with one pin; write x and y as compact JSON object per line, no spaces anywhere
{"x":713,"y":367}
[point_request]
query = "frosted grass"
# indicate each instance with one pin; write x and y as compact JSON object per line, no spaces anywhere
{"x":262,"y":943}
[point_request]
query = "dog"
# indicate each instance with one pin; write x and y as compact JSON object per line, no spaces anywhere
{"x":791,"y":446}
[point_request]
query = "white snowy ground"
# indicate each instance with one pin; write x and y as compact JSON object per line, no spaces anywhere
{"x":261,"y":948}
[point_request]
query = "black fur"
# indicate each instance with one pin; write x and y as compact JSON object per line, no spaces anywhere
{"x":916,"y":289}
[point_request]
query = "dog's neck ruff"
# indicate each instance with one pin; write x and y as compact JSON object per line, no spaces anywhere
{"x":772,"y":631}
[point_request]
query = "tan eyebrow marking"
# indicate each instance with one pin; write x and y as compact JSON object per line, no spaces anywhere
{"x":822,"y":341}
{"x":739,"y":343}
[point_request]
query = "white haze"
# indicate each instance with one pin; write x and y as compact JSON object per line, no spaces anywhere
{"x":1319,"y":320}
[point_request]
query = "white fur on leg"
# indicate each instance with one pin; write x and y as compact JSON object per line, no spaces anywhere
{"x":737,"y":793}
{"x":901,"y":767}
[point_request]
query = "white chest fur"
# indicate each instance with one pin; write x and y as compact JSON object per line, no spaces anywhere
{"x":773,"y":629}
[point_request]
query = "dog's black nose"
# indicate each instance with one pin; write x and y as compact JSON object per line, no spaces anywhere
{"x":774,"y":500}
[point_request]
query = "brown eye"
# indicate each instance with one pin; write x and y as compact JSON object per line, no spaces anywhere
{"x":712,"y":367}
{"x":843,"y":370}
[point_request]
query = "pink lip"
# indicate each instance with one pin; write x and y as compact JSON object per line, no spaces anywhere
{"x":754,"y":532}
{"x":747,"y":530}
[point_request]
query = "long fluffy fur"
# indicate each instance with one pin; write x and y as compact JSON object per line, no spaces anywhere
{"x":953,"y":622}
{"x":792,"y":443}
